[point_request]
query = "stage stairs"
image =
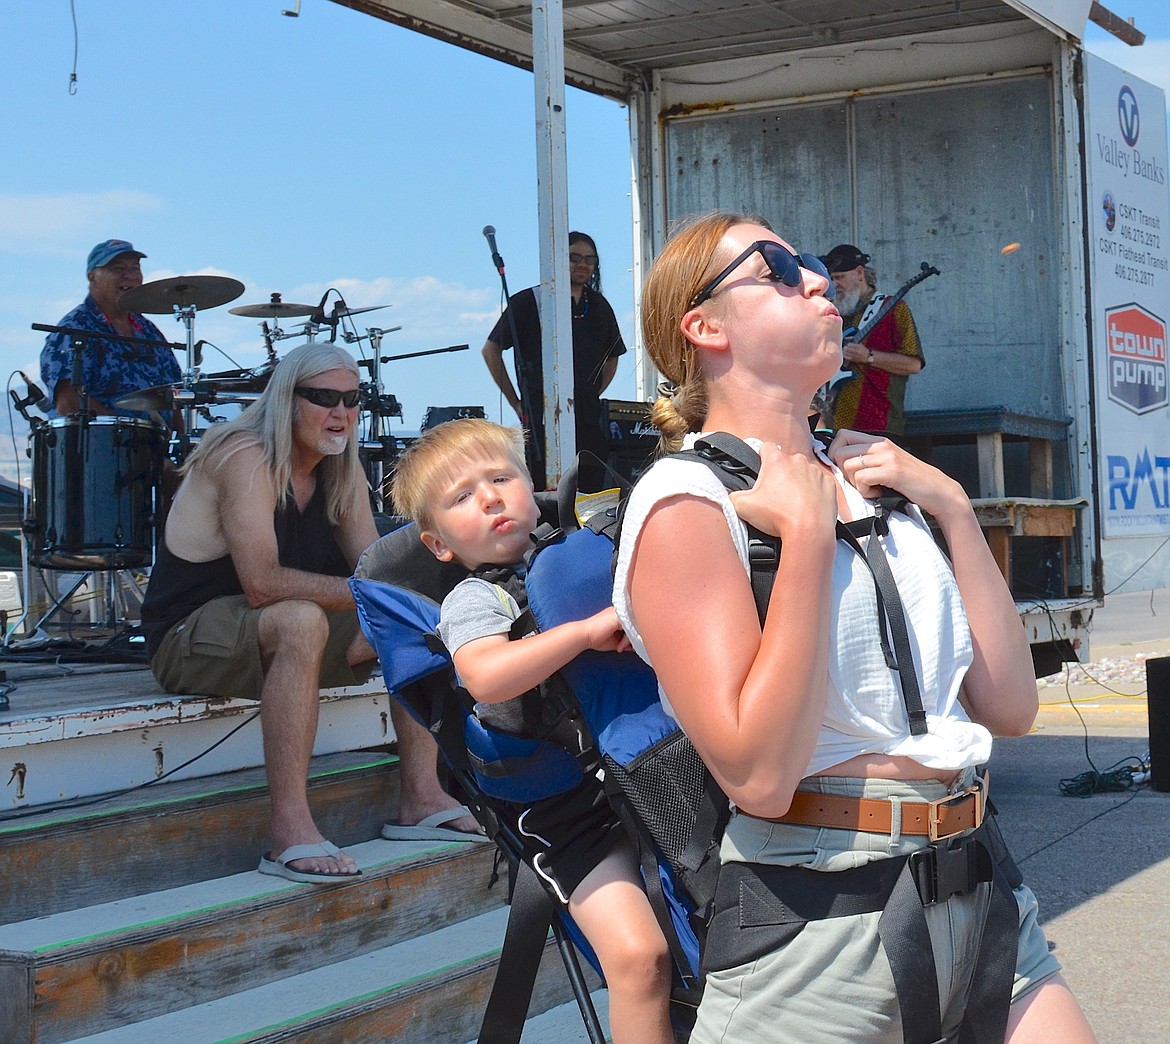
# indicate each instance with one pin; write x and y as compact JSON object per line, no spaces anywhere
{"x":141,"y":918}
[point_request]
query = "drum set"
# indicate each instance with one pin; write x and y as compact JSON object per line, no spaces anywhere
{"x":97,"y":493}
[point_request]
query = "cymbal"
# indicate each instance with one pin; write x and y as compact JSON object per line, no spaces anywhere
{"x":200,"y":291}
{"x":160,"y":397}
{"x":247,"y":382}
{"x":275,"y":308}
{"x":170,"y":396}
{"x":340,"y":313}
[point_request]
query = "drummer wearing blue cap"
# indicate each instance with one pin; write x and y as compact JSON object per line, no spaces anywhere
{"x":109,"y":367}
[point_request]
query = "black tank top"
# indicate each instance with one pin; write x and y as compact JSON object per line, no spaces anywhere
{"x":304,"y":539}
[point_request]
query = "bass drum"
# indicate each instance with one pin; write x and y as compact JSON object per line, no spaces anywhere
{"x":94,"y":494}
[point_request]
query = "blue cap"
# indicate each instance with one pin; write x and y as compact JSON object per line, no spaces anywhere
{"x":104,"y":253}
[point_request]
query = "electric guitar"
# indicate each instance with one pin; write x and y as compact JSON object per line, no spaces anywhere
{"x":825,"y":400}
{"x":860,"y":333}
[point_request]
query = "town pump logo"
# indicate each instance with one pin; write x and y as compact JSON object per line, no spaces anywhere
{"x":1137,"y":358}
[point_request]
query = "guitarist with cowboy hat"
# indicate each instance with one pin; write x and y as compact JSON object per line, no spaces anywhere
{"x":882,"y":359}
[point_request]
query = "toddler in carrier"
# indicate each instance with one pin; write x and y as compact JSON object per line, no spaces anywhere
{"x":465,"y":485}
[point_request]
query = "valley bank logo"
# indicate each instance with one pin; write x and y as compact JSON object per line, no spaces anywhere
{"x":1136,"y":341}
{"x":1128,"y":117}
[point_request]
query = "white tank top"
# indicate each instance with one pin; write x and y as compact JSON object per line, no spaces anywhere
{"x":864,"y":712}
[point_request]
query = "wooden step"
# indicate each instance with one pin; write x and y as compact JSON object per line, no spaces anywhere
{"x":102,"y":967}
{"x":176,"y":833}
{"x":95,"y":731}
{"x":428,"y":990}
{"x":564,"y":1023}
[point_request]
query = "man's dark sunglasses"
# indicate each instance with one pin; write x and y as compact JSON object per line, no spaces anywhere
{"x":783,"y":265}
{"x":330,"y":397}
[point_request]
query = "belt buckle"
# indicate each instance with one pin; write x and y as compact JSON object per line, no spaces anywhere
{"x":934,"y":818}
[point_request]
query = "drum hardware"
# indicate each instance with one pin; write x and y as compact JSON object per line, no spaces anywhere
{"x":381,"y":448}
{"x":33,"y":396}
{"x":386,"y":405}
{"x":181,"y":293}
{"x":274,"y":309}
{"x":384,"y":450}
{"x":183,"y":296}
{"x":429,"y":351}
{"x":92,"y":508}
{"x":79,"y":338}
{"x":94,"y":492}
{"x":342,"y":311}
{"x":353,"y":338}
{"x":147,"y":400}
{"x":204,"y":392}
{"x":272,"y":360}
{"x":115,"y":587}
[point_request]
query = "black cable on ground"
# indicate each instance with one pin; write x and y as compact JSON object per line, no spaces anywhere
{"x":1128,"y":774}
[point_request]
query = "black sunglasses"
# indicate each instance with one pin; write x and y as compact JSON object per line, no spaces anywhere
{"x":783,"y":265}
{"x":327,"y":398}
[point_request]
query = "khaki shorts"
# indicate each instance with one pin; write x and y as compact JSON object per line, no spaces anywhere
{"x":832,"y":983}
{"x":216,"y":652}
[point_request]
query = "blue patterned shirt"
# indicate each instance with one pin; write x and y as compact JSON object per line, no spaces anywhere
{"x":109,"y":368}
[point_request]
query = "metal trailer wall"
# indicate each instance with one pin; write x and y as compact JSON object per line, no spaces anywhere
{"x":948,"y":176}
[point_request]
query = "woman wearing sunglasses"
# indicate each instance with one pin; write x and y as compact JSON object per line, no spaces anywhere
{"x":864,"y":893}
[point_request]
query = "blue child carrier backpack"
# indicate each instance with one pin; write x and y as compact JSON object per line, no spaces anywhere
{"x":657,"y":784}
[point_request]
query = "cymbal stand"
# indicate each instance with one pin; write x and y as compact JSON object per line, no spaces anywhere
{"x":185,"y":314}
{"x":117,"y":587}
{"x":270,"y":335}
{"x":380,"y":445}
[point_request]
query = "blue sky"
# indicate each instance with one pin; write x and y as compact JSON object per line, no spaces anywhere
{"x":296,"y":154}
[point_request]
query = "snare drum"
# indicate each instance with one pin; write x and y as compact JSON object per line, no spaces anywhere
{"x":94,"y":492}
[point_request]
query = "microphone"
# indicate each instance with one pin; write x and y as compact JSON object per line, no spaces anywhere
{"x":34,"y":394}
{"x":489,"y":232}
{"x":318,"y":316}
{"x":33,"y":397}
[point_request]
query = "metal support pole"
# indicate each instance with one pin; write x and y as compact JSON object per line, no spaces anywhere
{"x":556,"y":322}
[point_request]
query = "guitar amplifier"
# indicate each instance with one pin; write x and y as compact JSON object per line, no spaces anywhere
{"x":631,"y":439}
{"x":437,"y":415}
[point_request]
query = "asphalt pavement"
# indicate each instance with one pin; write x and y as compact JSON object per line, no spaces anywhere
{"x":1100,"y":864}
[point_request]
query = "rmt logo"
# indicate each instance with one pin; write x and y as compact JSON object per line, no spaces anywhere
{"x":1136,"y":358}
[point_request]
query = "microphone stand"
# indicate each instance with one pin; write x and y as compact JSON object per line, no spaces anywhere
{"x":537,"y":444}
{"x":78,"y":337}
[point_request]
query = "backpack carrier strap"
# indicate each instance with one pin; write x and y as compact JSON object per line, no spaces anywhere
{"x":738,"y":466}
{"x":735,"y":459}
{"x":891,"y":614}
{"x":759,"y":908}
{"x":549,"y":712}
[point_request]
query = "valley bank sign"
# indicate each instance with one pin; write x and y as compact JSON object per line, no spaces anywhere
{"x":1126,"y":157}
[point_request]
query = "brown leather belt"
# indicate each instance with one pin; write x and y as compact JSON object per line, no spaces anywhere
{"x":937,"y":820}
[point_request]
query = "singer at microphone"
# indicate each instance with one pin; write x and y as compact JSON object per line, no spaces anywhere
{"x":597,"y":345}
